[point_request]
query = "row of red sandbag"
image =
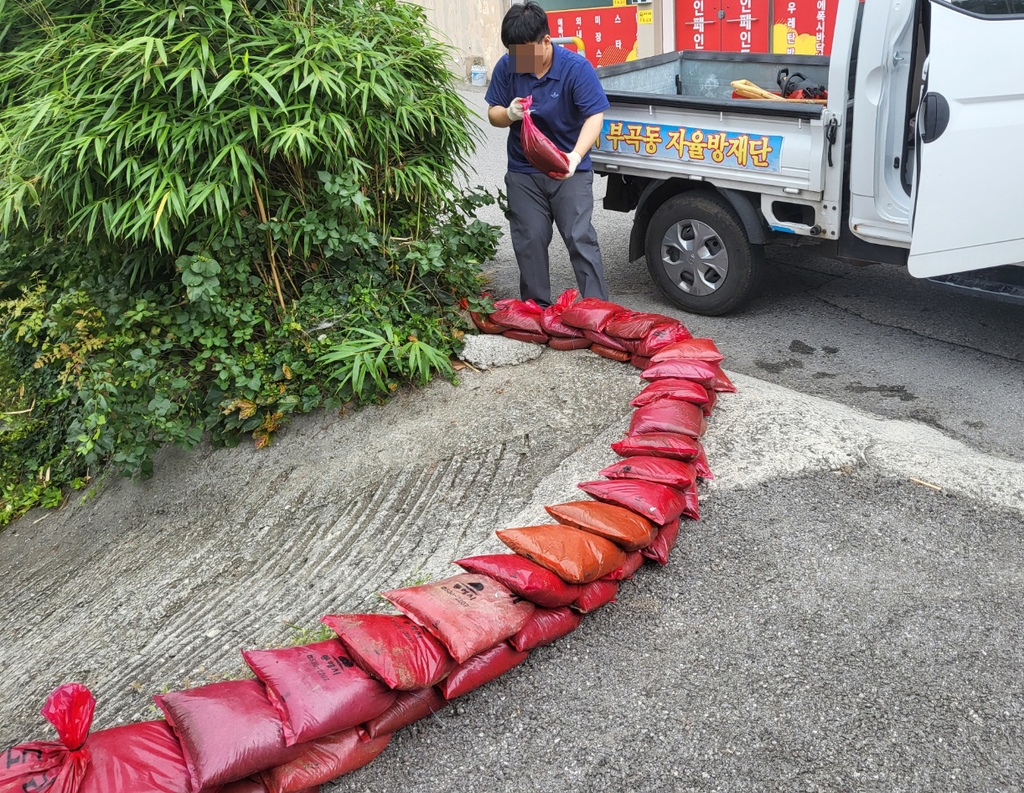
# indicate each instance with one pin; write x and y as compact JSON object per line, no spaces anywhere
{"x":319,"y":711}
{"x":610,"y":330}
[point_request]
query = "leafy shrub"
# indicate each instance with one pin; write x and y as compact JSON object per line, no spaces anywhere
{"x":217,"y":216}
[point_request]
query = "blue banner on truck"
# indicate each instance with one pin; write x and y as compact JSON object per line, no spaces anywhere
{"x":706,"y":146}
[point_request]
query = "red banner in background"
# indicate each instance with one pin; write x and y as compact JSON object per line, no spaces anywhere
{"x":608,"y":34}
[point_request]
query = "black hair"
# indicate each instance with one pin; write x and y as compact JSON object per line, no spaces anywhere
{"x":524,"y":24}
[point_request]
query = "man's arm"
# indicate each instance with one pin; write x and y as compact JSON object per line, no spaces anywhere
{"x":499,"y":117}
{"x":589,"y":134}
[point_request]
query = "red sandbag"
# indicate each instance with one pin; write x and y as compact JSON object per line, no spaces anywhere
{"x":481,"y":669}
{"x":597,"y":594}
{"x":540,"y":152}
{"x":578,"y":557}
{"x":142,"y":758}
{"x":484,"y":324}
{"x":620,"y":525}
{"x":653,"y":469}
{"x":636,"y":324}
{"x":57,"y":767}
{"x":659,"y":444}
{"x":522,"y":335}
{"x":692,"y":510}
{"x":468,"y":613}
{"x":659,"y":503}
{"x":660,"y":338}
{"x":527,"y":579}
{"x":590,"y":314}
{"x":559,"y":343}
{"x":518,"y":315}
{"x":318,"y":689}
{"x":668,"y":415}
{"x":691,"y":349}
{"x":673,"y":388}
{"x":608,"y":352}
{"x":640,"y":363}
{"x":393,"y":649}
{"x":700,"y":465}
{"x":547,"y":625}
{"x":325,"y":759}
{"x":659,"y":550}
{"x":712,"y":401}
{"x":604,"y":340}
{"x":409,"y":708}
{"x":631,"y":565}
{"x":551,"y":319}
{"x":707,"y":374}
{"x":228,"y":731}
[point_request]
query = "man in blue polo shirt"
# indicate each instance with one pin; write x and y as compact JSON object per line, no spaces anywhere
{"x":568,"y":107}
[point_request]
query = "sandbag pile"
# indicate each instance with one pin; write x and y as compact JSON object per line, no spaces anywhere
{"x":316,"y":712}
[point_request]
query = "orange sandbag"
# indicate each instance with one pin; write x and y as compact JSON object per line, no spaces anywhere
{"x":484,"y":324}
{"x":578,"y":557}
{"x":636,"y":324}
{"x":468,"y":613}
{"x":565,"y":345}
{"x":622,"y":526}
{"x":653,"y":469}
{"x":691,"y":349}
{"x":409,"y":708}
{"x":325,"y":759}
{"x":590,"y":313}
{"x":660,"y":338}
{"x":547,"y":625}
{"x":518,"y":315}
{"x":668,"y":415}
{"x":608,"y":352}
{"x":481,"y":669}
{"x":393,"y":649}
{"x":707,"y":374}
{"x":674,"y":388}
{"x":659,"y":444}
{"x":596,"y":594}
{"x":659,"y":503}
{"x":625,"y":572}
{"x":658,"y":550}
{"x":522,"y":335}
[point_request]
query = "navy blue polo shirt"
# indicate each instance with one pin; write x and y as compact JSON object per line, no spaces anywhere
{"x":563,"y":99}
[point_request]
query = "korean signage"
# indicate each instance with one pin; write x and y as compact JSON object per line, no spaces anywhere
{"x":608,"y":33}
{"x":803,"y":27}
{"x":723,"y":25}
{"x":706,"y":146}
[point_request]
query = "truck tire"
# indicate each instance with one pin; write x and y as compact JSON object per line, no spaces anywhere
{"x":699,"y":255}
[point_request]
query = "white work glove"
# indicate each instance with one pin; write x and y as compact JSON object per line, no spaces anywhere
{"x":515,"y":110}
{"x":574,"y":163}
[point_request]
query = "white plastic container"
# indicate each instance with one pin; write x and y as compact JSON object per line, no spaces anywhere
{"x":478,"y":75}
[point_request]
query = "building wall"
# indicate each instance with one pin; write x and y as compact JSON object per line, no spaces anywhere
{"x":472,"y":27}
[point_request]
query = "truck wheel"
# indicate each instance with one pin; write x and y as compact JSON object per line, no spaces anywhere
{"x":699,"y":255}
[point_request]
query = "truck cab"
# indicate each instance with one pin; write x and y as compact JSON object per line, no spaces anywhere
{"x":911,"y":160}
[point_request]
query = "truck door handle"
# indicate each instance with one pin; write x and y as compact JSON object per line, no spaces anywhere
{"x":935,"y":118}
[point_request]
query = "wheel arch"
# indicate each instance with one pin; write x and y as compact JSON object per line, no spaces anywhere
{"x":746,"y":206}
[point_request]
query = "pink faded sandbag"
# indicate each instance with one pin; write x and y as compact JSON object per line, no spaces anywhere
{"x":677,"y":389}
{"x":468,"y":613}
{"x":317,"y":689}
{"x":658,"y":503}
{"x":527,"y":579}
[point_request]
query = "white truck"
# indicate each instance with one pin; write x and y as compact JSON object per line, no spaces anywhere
{"x":917,"y":158}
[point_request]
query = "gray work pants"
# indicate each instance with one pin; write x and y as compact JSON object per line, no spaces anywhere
{"x":534,"y":201}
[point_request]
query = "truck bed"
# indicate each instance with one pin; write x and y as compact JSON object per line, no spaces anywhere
{"x":674,"y":116}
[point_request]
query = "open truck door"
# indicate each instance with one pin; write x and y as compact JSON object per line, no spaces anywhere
{"x":969,"y":186}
